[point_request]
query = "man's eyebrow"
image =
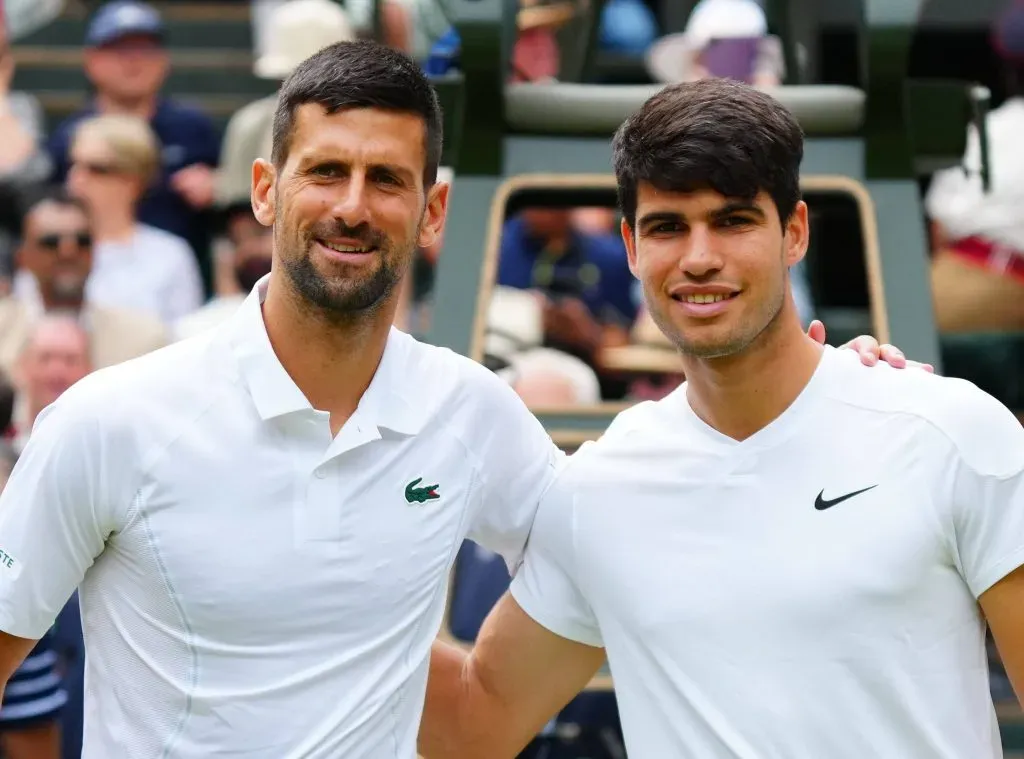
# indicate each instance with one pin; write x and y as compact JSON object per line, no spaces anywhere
{"x":660,"y":217}
{"x":739,"y":206}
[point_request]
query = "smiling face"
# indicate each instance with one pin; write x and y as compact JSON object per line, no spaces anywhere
{"x":714,"y":269}
{"x":348,"y":206}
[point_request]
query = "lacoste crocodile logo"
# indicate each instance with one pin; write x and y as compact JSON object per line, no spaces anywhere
{"x":414,"y":494}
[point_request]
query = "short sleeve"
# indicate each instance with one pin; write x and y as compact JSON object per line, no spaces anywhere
{"x":519,"y":462}
{"x":547,"y":584}
{"x":988,"y":492}
{"x":55,"y":517}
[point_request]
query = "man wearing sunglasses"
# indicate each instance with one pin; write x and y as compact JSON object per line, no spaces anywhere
{"x":54,"y":260}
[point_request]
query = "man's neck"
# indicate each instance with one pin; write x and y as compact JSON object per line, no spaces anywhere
{"x":144,"y":107}
{"x":740,"y":395}
{"x":331,"y":363}
{"x":66,"y":305}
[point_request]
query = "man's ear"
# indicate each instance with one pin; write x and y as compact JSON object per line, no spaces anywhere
{"x":434,"y":215}
{"x":630,"y":241}
{"x":264,"y":176}
{"x":798,"y":234}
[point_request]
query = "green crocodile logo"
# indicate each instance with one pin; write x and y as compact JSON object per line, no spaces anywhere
{"x":415,"y":494}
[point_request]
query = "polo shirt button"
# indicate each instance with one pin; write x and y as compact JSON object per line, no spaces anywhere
{"x":320,"y":473}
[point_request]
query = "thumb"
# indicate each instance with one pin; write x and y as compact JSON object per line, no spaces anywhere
{"x":817,"y":332}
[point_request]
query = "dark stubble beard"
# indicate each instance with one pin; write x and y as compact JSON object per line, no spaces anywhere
{"x":345,"y":300}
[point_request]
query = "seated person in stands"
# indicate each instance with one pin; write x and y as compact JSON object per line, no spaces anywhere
{"x":34,"y":698}
{"x":249,"y":248}
{"x":55,"y":263}
{"x":126,"y":60}
{"x":115,"y":160}
{"x":978,"y":236}
{"x":55,"y":356}
{"x":583,"y":279}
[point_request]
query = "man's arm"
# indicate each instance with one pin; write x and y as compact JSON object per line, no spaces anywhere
{"x":1003,"y":607}
{"x":492,"y":702}
{"x":13,"y":651}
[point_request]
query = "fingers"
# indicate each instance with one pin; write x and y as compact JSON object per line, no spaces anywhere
{"x":867,"y":348}
{"x":817,"y":332}
{"x":893,"y":356}
{"x":918,"y":365}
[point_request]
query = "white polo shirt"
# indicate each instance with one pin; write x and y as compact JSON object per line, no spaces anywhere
{"x":249,"y":586}
{"x":808,"y":593}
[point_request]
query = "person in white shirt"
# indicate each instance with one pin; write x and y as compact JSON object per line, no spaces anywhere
{"x":114,"y":160}
{"x":977,"y":235}
{"x":790,"y":556}
{"x":261,"y":519}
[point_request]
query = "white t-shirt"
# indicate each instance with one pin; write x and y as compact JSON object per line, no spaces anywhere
{"x":250,"y":586}
{"x":156,"y":272}
{"x":808,"y":593}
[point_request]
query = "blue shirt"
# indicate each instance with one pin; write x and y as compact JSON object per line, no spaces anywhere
{"x":593,"y":268}
{"x":187,"y":136}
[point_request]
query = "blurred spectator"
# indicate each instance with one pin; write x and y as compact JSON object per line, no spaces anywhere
{"x":584,"y":279}
{"x":55,"y":356}
{"x":409,"y":25}
{"x":6,"y":406}
{"x":535,"y":56}
{"x":627,"y":26}
{"x":723,"y":38}
{"x":978,"y":236}
{"x":127,"y":63}
{"x":300,"y":28}
{"x":34,"y":698}
{"x":251,"y":249}
{"x":543,"y":377}
{"x":56,"y":256}
{"x":23,"y":161}
{"x":114,"y":159}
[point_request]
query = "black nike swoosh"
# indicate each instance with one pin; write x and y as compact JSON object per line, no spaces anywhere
{"x":821,"y":504}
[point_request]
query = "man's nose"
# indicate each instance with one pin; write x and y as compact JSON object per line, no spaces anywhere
{"x":699,"y":256}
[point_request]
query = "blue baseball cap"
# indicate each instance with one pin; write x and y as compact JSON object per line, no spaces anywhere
{"x":121,"y":19}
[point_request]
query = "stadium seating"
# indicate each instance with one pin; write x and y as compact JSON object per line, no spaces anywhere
{"x":211,"y":50}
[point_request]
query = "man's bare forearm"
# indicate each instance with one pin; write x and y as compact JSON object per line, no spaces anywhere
{"x":447,"y":726}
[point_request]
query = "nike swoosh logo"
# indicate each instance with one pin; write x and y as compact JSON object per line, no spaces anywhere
{"x":821,"y":503}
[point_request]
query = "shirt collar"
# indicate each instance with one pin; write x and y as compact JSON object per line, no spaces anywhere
{"x":384,"y":403}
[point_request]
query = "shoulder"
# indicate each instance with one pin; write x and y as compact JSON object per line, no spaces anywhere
{"x":449,"y":379}
{"x":63,"y":130}
{"x":606,"y":250}
{"x":125,"y":320}
{"x":153,"y":236}
{"x":181,"y":114}
{"x":619,"y":452}
{"x":11,"y":309}
{"x":987,"y":437}
{"x":166,"y":381}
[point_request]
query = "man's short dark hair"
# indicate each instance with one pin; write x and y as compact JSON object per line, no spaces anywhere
{"x":714,"y":134}
{"x":55,"y":194}
{"x":360,"y":74}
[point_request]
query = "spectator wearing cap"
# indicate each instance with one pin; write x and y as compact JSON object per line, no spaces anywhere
{"x":978,"y":235}
{"x":127,"y":63}
{"x":723,"y":38}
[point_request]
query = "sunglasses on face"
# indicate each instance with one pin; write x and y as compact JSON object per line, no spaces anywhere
{"x":51,"y":242}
